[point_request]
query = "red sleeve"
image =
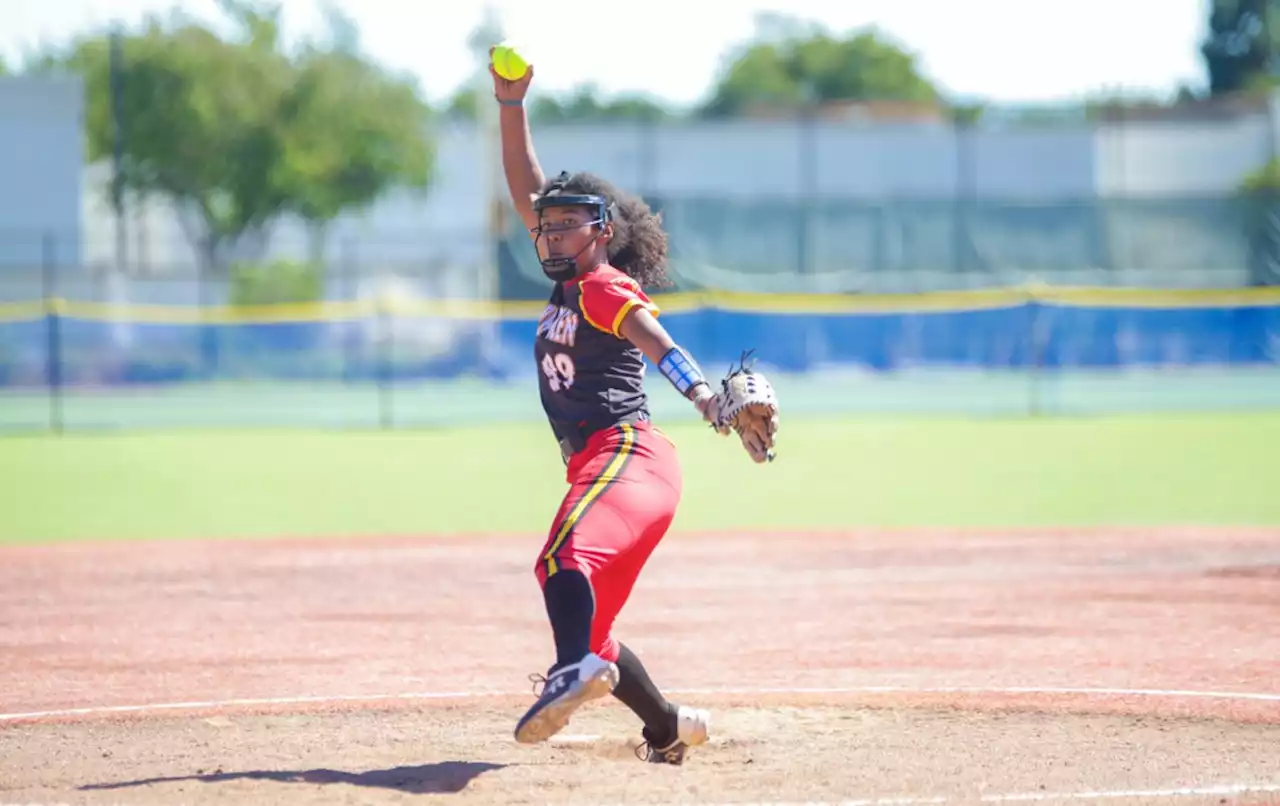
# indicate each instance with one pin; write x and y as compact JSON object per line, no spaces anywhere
{"x":606,"y":300}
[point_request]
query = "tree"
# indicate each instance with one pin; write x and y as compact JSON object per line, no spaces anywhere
{"x":465,"y":104}
{"x":350,"y":132}
{"x":1259,"y":195}
{"x":237,"y":133}
{"x":585,"y":104}
{"x":1237,"y":49}
{"x":791,"y":63}
{"x":197,"y":120}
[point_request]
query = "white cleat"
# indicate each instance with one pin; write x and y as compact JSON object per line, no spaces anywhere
{"x":563,"y":692}
{"x":692,"y":728}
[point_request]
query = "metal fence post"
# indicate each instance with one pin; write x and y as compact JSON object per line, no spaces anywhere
{"x":965,"y":192}
{"x":53,"y":330}
{"x":349,"y":294}
{"x":1036,"y":348}
{"x":207,"y":337}
{"x":386,"y":360}
{"x":807,"y":164}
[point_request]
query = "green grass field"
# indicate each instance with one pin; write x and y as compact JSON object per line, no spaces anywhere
{"x":1213,"y":469}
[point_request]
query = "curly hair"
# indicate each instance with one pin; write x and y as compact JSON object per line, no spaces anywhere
{"x":639,"y":244}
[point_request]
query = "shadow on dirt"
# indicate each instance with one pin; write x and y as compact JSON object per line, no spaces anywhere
{"x":442,"y":777}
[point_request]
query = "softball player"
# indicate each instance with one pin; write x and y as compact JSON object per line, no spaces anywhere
{"x":601,"y":247}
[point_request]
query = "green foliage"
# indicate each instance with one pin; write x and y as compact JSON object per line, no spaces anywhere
{"x":198,"y":119}
{"x":1259,"y":194}
{"x":1263,"y":180}
{"x":587,"y":104}
{"x":237,"y":132}
{"x":465,"y":104}
{"x":351,"y":129}
{"x":348,"y":134}
{"x":276,"y":282}
{"x":1239,"y":45}
{"x":969,"y":114}
{"x":792,"y":64}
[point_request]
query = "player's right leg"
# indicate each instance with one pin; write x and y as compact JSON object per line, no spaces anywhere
{"x":689,"y":727}
{"x":578,"y":674}
{"x":669,"y":729}
{"x":643,"y":509}
{"x":613,"y":518}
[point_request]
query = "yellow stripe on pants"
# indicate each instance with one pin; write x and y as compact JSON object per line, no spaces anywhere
{"x":607,"y":477}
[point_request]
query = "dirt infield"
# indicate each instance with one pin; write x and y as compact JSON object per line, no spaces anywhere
{"x":909,"y":667}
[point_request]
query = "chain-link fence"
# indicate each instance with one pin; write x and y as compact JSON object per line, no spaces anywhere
{"x":422,"y":308}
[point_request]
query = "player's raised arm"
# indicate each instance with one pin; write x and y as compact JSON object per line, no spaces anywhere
{"x":519,"y":162}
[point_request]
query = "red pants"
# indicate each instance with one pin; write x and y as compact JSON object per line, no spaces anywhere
{"x":625,"y":486}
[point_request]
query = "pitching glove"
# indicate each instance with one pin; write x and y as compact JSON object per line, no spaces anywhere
{"x":746,"y":405}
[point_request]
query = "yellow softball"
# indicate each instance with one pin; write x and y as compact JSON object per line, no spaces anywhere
{"x":509,"y":64}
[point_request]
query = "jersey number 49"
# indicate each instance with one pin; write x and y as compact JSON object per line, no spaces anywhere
{"x":559,"y":371}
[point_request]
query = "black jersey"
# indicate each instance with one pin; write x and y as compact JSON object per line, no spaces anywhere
{"x":589,"y":376}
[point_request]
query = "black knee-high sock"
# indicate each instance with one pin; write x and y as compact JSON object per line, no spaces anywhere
{"x":571,"y":606}
{"x":637,"y":691}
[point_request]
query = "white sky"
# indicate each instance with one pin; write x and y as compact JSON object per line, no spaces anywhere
{"x":1002,"y":50}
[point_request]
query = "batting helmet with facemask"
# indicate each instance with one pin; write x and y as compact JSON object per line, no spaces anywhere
{"x":564,"y":267}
